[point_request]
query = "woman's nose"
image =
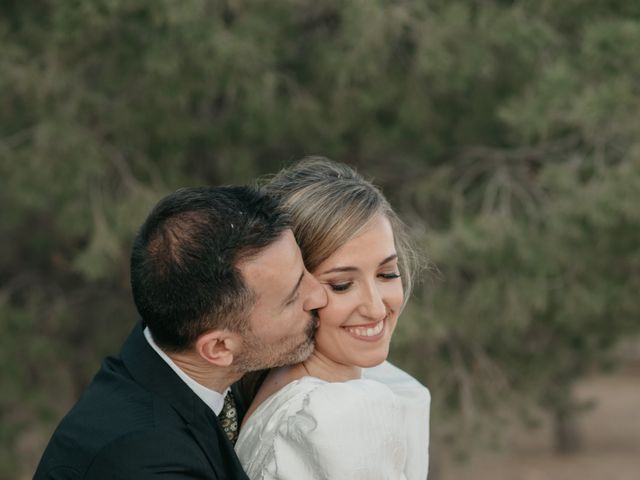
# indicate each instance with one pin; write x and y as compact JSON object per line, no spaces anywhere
{"x":373,"y":305}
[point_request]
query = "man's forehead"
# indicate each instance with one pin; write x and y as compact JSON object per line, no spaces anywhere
{"x":277,"y":258}
{"x":275,"y":272}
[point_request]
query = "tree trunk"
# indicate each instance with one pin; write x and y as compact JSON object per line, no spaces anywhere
{"x":566,"y":431}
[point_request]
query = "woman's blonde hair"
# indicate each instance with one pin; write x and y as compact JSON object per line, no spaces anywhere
{"x":329,"y":204}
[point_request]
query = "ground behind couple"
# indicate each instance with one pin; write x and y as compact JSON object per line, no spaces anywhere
{"x":611,"y":441}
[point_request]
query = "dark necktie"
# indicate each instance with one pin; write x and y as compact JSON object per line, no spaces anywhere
{"x":229,"y":418}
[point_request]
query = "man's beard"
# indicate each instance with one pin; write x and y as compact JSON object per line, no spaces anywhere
{"x":258,"y":355}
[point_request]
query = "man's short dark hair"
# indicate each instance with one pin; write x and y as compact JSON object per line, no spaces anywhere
{"x":184,"y":274}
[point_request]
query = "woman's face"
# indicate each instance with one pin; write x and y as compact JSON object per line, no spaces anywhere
{"x":365,"y":296}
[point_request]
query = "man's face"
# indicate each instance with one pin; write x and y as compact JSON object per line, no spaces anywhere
{"x":282,"y":322}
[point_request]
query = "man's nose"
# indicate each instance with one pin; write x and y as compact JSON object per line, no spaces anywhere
{"x":316,"y":297}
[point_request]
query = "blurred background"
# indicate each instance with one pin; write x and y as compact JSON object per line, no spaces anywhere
{"x":506,"y":133}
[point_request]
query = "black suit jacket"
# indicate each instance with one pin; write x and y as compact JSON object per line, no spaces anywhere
{"x":137,"y":420}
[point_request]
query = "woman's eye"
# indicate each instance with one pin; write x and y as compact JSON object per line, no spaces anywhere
{"x":340,"y":287}
{"x":390,"y":276}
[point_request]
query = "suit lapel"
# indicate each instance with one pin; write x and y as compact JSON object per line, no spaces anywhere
{"x":216,"y":445}
{"x":150,"y":371}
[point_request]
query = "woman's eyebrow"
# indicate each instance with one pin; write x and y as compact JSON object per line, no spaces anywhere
{"x":393,"y":256}
{"x":340,"y":269}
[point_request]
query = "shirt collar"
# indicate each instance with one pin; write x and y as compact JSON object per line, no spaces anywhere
{"x":214,"y":400}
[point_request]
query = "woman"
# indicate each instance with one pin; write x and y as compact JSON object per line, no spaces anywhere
{"x":344,"y":413}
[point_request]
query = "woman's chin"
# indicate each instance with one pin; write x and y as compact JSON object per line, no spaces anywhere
{"x":373,"y":360}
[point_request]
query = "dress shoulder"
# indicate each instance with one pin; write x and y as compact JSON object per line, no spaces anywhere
{"x":313,"y":429}
{"x":416,"y":400}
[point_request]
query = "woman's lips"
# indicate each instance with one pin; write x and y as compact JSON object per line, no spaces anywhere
{"x":369,"y":332}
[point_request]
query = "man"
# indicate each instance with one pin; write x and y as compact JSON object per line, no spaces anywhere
{"x":222,"y":290}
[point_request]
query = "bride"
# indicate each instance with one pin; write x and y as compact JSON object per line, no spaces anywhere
{"x":344,"y":412}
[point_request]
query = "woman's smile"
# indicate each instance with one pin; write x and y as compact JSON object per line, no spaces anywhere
{"x":370,"y":332}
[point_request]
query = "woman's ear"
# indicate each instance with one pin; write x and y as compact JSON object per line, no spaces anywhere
{"x":218,"y":347}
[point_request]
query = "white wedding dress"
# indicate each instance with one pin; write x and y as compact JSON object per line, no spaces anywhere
{"x":373,"y":428}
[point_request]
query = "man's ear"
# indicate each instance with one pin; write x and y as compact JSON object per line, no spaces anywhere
{"x":218,"y":347}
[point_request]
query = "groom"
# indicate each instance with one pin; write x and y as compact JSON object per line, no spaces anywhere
{"x":222,"y":290}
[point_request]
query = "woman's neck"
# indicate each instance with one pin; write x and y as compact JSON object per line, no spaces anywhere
{"x":319,"y":366}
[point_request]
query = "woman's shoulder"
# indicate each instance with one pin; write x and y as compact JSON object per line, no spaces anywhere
{"x":313,"y":408}
{"x":291,"y":395}
{"x":309,"y":391}
{"x":379,"y":388}
{"x":276,"y":411}
{"x":336,"y":397}
{"x":314,"y":425}
{"x":323,"y":425}
{"x":398,"y":381}
{"x":317,"y":399}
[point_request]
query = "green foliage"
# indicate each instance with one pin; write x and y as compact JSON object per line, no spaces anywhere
{"x":506,"y":133}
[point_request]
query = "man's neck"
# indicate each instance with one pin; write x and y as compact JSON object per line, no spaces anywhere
{"x":217,"y":379}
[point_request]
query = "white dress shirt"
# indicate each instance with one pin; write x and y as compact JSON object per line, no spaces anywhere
{"x":214,"y":400}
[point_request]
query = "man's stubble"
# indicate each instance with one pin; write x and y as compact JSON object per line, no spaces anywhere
{"x":259,"y":355}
